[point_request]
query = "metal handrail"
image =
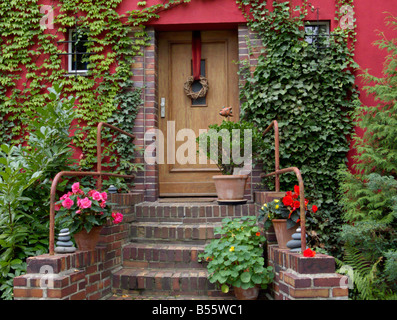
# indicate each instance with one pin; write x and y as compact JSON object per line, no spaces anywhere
{"x":98,"y":173}
{"x":297,"y":172}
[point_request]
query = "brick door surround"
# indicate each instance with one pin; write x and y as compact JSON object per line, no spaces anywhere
{"x":145,"y":69}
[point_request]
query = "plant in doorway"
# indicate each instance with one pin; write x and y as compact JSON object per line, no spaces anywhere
{"x":231,"y":146}
{"x":236,"y":258}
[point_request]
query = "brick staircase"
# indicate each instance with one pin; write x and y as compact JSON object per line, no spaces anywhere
{"x":162,"y":257}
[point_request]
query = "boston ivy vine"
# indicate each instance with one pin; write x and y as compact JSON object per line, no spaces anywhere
{"x":30,"y":62}
{"x":309,"y":89}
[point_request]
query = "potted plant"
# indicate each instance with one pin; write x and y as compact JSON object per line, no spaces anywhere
{"x":85,"y":211}
{"x":236,"y":258}
{"x":231,"y":145}
{"x":283,"y":215}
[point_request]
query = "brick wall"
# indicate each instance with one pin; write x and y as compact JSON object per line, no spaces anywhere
{"x":83,"y":275}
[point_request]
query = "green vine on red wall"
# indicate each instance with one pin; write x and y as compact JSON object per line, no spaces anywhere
{"x":30,"y":62}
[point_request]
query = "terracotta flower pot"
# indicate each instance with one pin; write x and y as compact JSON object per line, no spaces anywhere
{"x":246,"y":294}
{"x":230,"y":187}
{"x":87,"y":241}
{"x":283,"y":234}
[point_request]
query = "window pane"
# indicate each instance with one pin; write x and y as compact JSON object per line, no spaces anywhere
{"x":78,"y":48}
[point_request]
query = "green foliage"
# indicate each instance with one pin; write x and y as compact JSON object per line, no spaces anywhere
{"x":30,"y":62}
{"x":369,"y":194}
{"x":24,"y":186}
{"x":235,"y":258}
{"x":231,"y":144}
{"x":309,"y":90}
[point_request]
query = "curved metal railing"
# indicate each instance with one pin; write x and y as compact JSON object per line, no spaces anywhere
{"x":279,"y":171}
{"x":98,"y":173}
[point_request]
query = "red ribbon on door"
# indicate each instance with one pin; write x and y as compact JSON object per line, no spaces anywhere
{"x":196,"y":54}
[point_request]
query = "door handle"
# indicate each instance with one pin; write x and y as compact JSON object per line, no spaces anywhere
{"x":162,"y":107}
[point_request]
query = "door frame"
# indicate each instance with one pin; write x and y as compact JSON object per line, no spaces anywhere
{"x":145,"y":77}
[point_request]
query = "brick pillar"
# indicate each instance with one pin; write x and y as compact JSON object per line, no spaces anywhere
{"x":83,"y":275}
{"x":249,"y":47}
{"x":145,"y":77}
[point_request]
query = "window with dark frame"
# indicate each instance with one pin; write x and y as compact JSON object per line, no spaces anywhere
{"x":317,"y":32}
{"x":77,"y":51}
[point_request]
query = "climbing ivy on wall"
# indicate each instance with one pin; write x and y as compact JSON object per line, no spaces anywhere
{"x":29,"y":62}
{"x":309,"y":89}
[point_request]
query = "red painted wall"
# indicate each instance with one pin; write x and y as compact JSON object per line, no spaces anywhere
{"x":220,"y":14}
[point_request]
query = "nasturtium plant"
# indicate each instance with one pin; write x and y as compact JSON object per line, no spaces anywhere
{"x":236,"y":258}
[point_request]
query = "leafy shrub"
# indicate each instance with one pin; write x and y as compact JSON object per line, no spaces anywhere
{"x":25,"y":173}
{"x":369,"y":194}
{"x":236,"y":259}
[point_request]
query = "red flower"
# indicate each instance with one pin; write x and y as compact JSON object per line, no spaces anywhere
{"x":309,"y":253}
{"x":297,"y":204}
{"x":314,"y":208}
{"x":287,"y":200}
{"x":289,"y":193}
{"x":296,"y":190}
{"x":258,"y":234}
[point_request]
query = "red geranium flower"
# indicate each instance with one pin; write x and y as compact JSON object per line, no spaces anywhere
{"x":287,"y":201}
{"x":309,"y":253}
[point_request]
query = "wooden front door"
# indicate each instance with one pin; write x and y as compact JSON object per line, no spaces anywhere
{"x":179,"y":112}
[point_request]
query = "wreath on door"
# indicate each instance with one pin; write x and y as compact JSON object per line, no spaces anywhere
{"x":196,"y":94}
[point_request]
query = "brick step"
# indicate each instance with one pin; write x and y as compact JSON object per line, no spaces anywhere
{"x":161,"y":281}
{"x":190,"y":212}
{"x":172,"y":232}
{"x":154,"y":255}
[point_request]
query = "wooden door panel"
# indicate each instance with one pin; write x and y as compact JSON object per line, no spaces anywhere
{"x":219,"y":50}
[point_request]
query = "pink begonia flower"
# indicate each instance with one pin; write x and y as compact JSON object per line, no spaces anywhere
{"x":117,"y":216}
{"x":75,"y":187}
{"x":67,"y":203}
{"x":97,"y":196}
{"x":84,"y":203}
{"x":78,"y":211}
{"x":104,"y":196}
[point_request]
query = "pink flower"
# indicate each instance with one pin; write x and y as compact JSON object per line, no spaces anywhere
{"x":103,"y":204}
{"x":57,"y":207}
{"x":66,"y":195}
{"x":117,"y":216}
{"x":76,"y":187}
{"x":84,"y":203}
{"x":78,"y":211}
{"x":104,"y":196}
{"x":97,"y":196}
{"x":67,"y":203}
